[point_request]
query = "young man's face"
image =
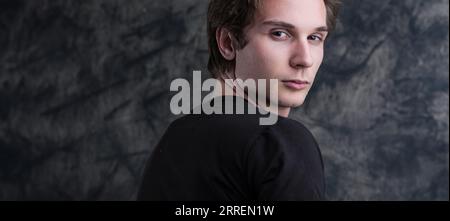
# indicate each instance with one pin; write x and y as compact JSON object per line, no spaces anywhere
{"x":285,"y":42}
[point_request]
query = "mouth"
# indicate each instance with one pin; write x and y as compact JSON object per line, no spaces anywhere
{"x":296,"y":84}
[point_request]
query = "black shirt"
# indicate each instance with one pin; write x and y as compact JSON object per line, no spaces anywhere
{"x":222,"y":157}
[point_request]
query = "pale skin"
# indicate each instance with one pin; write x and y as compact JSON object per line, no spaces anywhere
{"x":285,"y":42}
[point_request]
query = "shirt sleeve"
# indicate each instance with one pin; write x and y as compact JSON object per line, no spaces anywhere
{"x":285,"y":164}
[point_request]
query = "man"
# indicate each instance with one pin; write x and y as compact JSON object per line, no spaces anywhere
{"x":233,"y":157}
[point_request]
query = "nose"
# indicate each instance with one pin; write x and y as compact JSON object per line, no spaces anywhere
{"x":301,"y":55}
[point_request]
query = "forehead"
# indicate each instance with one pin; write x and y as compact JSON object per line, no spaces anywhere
{"x":300,"y":13}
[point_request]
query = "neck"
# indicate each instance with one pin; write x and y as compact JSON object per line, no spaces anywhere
{"x":236,"y":90}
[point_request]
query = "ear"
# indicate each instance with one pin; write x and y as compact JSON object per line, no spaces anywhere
{"x":225,"y":43}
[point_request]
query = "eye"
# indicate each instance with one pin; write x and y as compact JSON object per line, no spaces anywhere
{"x":315,"y":38}
{"x":280,"y":35}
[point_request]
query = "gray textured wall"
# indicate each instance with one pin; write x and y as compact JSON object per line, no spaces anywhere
{"x":84,"y":93}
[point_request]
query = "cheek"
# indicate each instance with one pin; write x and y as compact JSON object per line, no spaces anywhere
{"x":245,"y":63}
{"x":318,"y":55}
{"x":318,"y":58}
{"x":261,"y":58}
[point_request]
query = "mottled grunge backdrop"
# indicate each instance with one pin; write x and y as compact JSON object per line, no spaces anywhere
{"x":84,"y":96}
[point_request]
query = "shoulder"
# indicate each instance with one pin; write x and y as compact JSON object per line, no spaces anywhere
{"x":290,"y":131}
{"x":288,"y":142}
{"x":285,"y":130}
{"x":233,"y":125}
{"x":284,"y":163}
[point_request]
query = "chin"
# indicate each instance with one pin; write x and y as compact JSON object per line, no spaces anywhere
{"x":291,"y":102}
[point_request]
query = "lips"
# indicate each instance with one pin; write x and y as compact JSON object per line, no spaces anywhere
{"x":296,"y":84}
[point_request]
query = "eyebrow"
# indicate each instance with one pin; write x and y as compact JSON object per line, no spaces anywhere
{"x":290,"y":26}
